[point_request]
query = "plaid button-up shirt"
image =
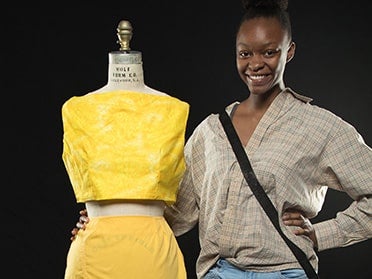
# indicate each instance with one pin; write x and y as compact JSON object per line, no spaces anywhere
{"x":297,"y":151}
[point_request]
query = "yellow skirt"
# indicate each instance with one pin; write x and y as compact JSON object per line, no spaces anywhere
{"x":130,"y":247}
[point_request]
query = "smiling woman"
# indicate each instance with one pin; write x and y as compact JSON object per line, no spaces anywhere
{"x":297,"y":151}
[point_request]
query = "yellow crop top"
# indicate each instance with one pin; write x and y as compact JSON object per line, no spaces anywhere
{"x":124,"y":145}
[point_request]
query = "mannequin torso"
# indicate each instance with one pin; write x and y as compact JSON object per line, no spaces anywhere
{"x":125,"y":73}
{"x":123,"y":151}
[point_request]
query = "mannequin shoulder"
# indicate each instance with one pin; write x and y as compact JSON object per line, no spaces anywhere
{"x":150,"y":90}
{"x":142,"y":89}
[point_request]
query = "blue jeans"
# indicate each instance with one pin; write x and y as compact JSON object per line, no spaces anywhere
{"x":224,"y":270}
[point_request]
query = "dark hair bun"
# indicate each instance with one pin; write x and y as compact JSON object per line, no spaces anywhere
{"x":267,"y":4}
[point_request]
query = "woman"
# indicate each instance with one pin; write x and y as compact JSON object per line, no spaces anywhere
{"x":297,"y":150}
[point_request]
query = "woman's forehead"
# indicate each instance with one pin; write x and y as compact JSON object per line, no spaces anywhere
{"x":261,"y":29}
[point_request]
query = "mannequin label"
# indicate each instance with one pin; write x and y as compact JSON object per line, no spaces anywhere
{"x":131,"y":73}
{"x":123,"y":69}
{"x":124,"y":75}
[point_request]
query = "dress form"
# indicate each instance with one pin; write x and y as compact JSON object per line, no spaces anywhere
{"x":123,"y":151}
{"x":125,"y":71}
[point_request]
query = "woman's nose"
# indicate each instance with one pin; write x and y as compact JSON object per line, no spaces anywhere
{"x":255,"y":63}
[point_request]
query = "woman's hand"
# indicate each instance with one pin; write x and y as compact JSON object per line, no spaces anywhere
{"x":80,"y":225}
{"x":304,"y":227}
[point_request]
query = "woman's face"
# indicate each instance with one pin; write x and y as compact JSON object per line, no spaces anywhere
{"x":262,"y":51}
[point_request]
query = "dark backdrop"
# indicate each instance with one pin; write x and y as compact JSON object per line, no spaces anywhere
{"x":50,"y":53}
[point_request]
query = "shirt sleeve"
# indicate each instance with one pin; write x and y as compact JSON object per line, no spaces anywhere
{"x":347,"y":166}
{"x":183,"y":215}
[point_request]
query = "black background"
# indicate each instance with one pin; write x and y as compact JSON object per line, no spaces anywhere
{"x":52,"y":52}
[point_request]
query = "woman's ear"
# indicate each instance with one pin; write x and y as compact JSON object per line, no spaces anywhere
{"x":291,"y":51}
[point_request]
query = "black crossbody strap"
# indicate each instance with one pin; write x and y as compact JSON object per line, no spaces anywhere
{"x":260,"y":194}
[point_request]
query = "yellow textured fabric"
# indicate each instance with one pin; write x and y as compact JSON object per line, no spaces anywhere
{"x":130,"y":247}
{"x":124,"y":145}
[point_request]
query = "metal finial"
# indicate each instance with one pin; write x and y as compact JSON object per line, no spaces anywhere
{"x":124,"y":34}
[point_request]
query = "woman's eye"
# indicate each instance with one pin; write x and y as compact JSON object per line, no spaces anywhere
{"x":270,"y":52}
{"x":244,"y":54}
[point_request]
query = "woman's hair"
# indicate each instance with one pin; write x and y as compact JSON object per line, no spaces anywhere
{"x":268,"y":8}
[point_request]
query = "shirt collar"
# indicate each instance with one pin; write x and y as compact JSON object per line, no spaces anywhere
{"x":298,"y":96}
